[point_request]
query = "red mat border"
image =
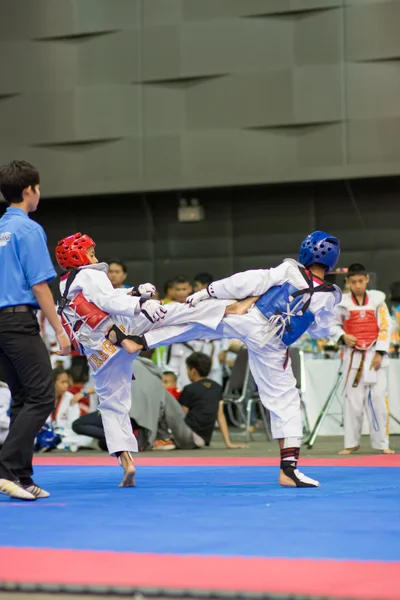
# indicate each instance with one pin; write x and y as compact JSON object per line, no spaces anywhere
{"x":337,"y":579}
{"x":234,"y":461}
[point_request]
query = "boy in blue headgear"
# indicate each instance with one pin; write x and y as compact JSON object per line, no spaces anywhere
{"x":286,"y":301}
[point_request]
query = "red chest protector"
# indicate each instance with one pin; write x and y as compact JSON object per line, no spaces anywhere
{"x":86,"y":312}
{"x":363,"y":324}
{"x":89,"y":313}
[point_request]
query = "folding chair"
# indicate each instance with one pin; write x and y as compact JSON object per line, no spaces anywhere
{"x":241,"y":391}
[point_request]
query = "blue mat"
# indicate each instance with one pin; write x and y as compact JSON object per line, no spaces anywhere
{"x":227,"y":511}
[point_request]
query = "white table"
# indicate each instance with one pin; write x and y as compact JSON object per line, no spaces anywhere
{"x":319,"y":378}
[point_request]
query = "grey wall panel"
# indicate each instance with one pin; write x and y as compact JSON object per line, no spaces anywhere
{"x":208,"y":9}
{"x":373,"y":90}
{"x":112,"y":58}
{"x":374,"y":141}
{"x":317,"y":94}
{"x":164,"y":109}
{"x":372,"y":30}
{"x":318,"y":37}
{"x":321,"y":146}
{"x":177,"y":94}
{"x":24,"y":19}
{"x":221,"y":104}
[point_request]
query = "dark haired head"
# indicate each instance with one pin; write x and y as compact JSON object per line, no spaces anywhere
{"x":356,"y":269}
{"x":204,"y":278}
{"x":57,"y":372}
{"x":117,"y":261}
{"x":79,"y":372}
{"x":180,"y":279}
{"x":168,"y":285}
{"x":15,"y":178}
{"x":199,"y":361}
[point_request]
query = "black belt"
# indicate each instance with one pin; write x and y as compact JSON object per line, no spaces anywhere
{"x":18,"y":309}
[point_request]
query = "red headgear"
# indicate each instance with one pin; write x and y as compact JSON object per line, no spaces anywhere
{"x":71,"y":251}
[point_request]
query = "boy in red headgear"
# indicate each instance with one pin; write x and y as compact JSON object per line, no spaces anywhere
{"x":93,"y":313}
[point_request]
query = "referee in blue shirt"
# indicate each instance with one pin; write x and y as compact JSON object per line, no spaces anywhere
{"x":25,"y":270}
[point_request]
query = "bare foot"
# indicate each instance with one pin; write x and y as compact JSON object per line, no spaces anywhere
{"x":131,"y":347}
{"x":388,"y":451}
{"x":349,"y":450}
{"x":126,"y":462}
{"x":285,"y":480}
{"x":242,"y":307}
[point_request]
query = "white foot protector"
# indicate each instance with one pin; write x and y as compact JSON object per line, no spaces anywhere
{"x":304,"y":480}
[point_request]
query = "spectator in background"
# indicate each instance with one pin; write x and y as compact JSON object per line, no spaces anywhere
{"x":78,"y":377}
{"x":181,"y":289}
{"x":168,"y":289}
{"x":5,"y":401}
{"x":117,"y":274}
{"x":202,"y":281}
{"x":201,"y":405}
{"x":175,"y":290}
{"x":50,"y":340}
{"x":170,"y":380}
{"x":26,"y":270}
{"x":65,"y":413}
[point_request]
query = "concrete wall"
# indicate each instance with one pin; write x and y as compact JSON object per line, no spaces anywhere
{"x":123,"y":95}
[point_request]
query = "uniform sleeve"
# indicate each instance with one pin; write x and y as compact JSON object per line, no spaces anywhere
{"x":35,"y":258}
{"x":337,"y":327}
{"x":97,"y":288}
{"x":385,"y":326}
{"x":325,"y":318}
{"x":249,"y":283}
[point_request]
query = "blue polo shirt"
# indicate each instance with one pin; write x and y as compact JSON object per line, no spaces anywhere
{"x":24,"y":258}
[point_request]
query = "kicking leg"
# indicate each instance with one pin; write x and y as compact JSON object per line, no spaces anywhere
{"x":241,"y":307}
{"x":130,"y":343}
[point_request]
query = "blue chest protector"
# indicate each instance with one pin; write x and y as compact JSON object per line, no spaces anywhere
{"x":287,"y":311}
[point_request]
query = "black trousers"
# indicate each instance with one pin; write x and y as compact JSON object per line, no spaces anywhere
{"x":26,"y":368}
{"x":92,"y":426}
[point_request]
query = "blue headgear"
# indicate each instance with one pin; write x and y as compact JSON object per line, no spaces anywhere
{"x":320,"y":247}
{"x":46,"y":438}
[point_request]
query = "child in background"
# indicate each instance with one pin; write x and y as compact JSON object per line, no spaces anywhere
{"x":65,"y":414}
{"x":363,"y":326}
{"x":169,"y":380}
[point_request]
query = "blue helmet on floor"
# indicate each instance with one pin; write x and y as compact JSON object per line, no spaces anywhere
{"x":46,"y":439}
{"x":320,"y":247}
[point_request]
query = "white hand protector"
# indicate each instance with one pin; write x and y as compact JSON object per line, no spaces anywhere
{"x":197,"y":297}
{"x":153,"y":310}
{"x":146,"y":290}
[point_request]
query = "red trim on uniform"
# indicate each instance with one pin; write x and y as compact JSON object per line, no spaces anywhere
{"x":333,"y":578}
{"x":64,"y":276}
{"x":315,"y":278}
{"x":379,"y":460}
